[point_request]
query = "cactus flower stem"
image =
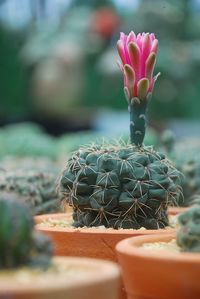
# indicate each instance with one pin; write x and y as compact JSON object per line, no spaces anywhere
{"x":137,"y":109}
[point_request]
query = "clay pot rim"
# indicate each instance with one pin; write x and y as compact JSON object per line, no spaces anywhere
{"x":132,"y":247}
{"x":176,"y":210}
{"x":40,"y":218}
{"x":106,"y":270}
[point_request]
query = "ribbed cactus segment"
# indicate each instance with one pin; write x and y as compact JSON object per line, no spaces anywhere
{"x":19,"y":245}
{"x":121,"y":186}
{"x":188,"y":236}
{"x":36,"y":188}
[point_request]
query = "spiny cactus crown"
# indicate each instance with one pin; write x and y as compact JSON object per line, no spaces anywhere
{"x":188,"y":236}
{"x":19,"y":244}
{"x":122,"y":186}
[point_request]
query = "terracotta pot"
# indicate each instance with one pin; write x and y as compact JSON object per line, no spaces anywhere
{"x":176,"y":210}
{"x":158,"y":274}
{"x":78,"y":278}
{"x":95,"y":243}
{"x":88,"y":242}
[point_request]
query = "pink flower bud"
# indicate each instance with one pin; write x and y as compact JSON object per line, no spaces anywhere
{"x":138,"y":57}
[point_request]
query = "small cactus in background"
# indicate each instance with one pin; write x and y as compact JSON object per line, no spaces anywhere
{"x":26,"y":140}
{"x":186,"y":158}
{"x":188,"y":236}
{"x":19,"y":244}
{"x":37,"y":189}
{"x":190,"y":181}
{"x":124,"y":185}
{"x":195,"y":200}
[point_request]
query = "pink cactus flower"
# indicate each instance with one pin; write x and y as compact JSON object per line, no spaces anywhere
{"x":138,"y":56}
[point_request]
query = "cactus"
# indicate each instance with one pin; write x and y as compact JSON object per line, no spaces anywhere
{"x":186,"y":158}
{"x":19,"y":244}
{"x":191,"y":180}
{"x":120,"y":186}
{"x":195,"y":200}
{"x":37,"y":189}
{"x":124,"y":185}
{"x":26,"y":139}
{"x":188,"y":236}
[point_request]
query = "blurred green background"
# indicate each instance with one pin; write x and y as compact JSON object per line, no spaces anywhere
{"x":58,"y":62}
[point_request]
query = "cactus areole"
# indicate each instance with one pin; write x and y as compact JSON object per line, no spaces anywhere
{"x":138,"y":57}
{"x":124,"y":185}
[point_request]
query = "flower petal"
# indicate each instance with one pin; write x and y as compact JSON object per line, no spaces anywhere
{"x":154,"y":47}
{"x":142,"y":88}
{"x":122,"y":36}
{"x":131,"y":37}
{"x":120,"y":48}
{"x":134,"y":54}
{"x":130,"y":76}
{"x":151,"y":86}
{"x":146,"y":47}
{"x":152,"y":36}
{"x":149,"y":65}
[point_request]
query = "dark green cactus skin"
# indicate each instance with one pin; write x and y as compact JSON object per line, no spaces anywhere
{"x":37,"y":189}
{"x":137,"y":110}
{"x":18,"y":242}
{"x":188,"y":236}
{"x":121,"y":186}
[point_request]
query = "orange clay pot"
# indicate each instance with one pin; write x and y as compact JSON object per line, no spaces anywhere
{"x":158,"y":274}
{"x":88,"y":242}
{"x":79,"y":278}
{"x":95,"y":243}
{"x":176,"y":210}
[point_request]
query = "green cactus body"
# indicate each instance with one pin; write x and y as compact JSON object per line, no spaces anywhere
{"x":121,"y":186}
{"x":186,"y":158}
{"x":15,"y":232}
{"x":195,"y":200}
{"x":137,"y":109}
{"x":18,"y":244}
{"x":188,"y":236}
{"x":190,"y":181}
{"x":26,"y":140}
{"x":37,"y":189}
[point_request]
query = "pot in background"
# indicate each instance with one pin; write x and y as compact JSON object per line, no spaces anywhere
{"x":77,"y":278}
